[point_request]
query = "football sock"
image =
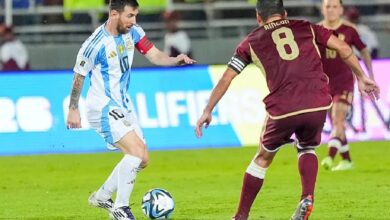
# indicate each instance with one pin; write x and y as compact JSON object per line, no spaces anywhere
{"x":127,"y":171}
{"x":334,"y":145}
{"x":253,"y":180}
{"x":344,"y":151}
{"x":308,"y":167}
{"x":109,"y":187}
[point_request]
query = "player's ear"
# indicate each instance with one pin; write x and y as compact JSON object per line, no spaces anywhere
{"x":114,"y":13}
{"x":258,"y":18}
{"x":285,"y":14}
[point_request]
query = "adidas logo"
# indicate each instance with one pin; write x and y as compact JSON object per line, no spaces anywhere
{"x":112,"y":54}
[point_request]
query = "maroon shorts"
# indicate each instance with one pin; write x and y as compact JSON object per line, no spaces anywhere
{"x":307,"y":128}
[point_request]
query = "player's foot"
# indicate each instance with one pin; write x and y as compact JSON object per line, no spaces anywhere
{"x":94,"y":201}
{"x":343,"y":165}
{"x":327,"y":163}
{"x":122,"y":213}
{"x":304,"y":209}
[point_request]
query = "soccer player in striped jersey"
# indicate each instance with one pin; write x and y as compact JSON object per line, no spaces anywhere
{"x":341,"y":81}
{"x":107,"y":56}
{"x":286,"y":53}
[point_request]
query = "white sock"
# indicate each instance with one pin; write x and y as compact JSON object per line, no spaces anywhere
{"x":127,"y":171}
{"x":110,"y":186}
{"x":256,"y":170}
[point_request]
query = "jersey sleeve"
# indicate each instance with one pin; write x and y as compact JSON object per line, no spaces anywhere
{"x":357,"y":41}
{"x":241,"y":57}
{"x":322,"y":34}
{"x":86,"y":57}
{"x":141,"y":42}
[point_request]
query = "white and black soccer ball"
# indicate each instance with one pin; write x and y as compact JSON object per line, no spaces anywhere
{"x":158,"y":204}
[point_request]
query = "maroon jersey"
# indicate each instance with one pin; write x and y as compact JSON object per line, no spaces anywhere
{"x":286,"y":52}
{"x":340,"y":75}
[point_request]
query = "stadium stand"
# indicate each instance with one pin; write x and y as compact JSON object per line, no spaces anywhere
{"x":207,"y":20}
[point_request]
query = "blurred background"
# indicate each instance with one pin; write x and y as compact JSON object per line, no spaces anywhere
{"x":56,"y":28}
{"x":39,"y":41}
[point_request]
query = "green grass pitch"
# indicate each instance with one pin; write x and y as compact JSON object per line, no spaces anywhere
{"x":204,"y":183}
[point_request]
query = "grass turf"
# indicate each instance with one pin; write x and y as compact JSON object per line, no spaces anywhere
{"x":204,"y":183}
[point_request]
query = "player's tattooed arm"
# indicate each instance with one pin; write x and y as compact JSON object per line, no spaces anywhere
{"x":78,"y":82}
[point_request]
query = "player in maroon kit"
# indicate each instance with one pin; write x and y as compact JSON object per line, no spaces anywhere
{"x":341,"y":81}
{"x":286,"y":53}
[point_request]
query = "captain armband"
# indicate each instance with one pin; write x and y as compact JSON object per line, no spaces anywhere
{"x":237,"y":64}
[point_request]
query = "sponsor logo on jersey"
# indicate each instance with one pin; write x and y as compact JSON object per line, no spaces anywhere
{"x":112,"y":54}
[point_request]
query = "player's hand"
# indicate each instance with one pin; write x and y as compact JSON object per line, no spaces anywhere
{"x":74,"y":119}
{"x":368,"y":87}
{"x":204,"y":119}
{"x":183,"y":59}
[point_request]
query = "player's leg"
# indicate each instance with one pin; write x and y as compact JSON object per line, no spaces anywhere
{"x":124,"y":133}
{"x":272,"y":139}
{"x":309,"y":137}
{"x":338,"y":141}
{"x":133,"y":148}
{"x":343,"y":106}
{"x":252,"y":182}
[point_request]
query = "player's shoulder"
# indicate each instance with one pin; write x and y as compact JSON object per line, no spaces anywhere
{"x":94,"y":42}
{"x":99,"y":32}
{"x":349,"y":25}
{"x":301,"y":25}
{"x":298,"y":21}
{"x":137,"y":29}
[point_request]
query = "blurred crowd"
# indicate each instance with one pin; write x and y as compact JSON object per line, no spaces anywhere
{"x":14,"y":55}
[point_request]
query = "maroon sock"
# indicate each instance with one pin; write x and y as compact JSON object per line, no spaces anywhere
{"x":345,"y":154}
{"x":308,"y":167}
{"x":250,"y":187}
{"x":334,"y":144}
{"x":332,"y":152}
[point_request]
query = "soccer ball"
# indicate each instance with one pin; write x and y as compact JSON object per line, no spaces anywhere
{"x":158,"y":204}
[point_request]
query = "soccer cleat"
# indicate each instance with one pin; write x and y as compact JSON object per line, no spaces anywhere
{"x":93,"y":201}
{"x":327,"y":163}
{"x":304,"y":209}
{"x":122,"y":213}
{"x":343,"y":165}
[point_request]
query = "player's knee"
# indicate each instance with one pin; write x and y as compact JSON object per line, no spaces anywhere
{"x":306,"y":151}
{"x":264,"y":159}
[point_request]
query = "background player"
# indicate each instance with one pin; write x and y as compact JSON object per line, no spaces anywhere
{"x":107,"y":57}
{"x":341,"y":80}
{"x":287,"y":54}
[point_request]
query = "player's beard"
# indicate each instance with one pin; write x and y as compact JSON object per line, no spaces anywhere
{"x":121,"y":28}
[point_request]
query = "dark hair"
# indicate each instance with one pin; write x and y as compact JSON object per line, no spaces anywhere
{"x":119,"y":5}
{"x":266,"y":8}
{"x":341,"y":2}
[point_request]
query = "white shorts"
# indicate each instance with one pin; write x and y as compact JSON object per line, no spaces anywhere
{"x":112,"y":123}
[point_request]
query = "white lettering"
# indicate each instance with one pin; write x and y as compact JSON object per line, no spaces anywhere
{"x":34,"y":114}
{"x":145,"y":120}
{"x":162,"y":113}
{"x":174,"y":108}
{"x":191,"y":105}
{"x":7,"y":116}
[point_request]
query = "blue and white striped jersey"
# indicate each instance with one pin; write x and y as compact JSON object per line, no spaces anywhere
{"x":107,"y":60}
